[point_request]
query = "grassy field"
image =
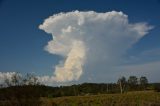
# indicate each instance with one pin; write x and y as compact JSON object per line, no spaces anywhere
{"x":139,"y":98}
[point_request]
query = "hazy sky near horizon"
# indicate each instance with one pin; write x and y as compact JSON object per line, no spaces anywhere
{"x":22,"y":43}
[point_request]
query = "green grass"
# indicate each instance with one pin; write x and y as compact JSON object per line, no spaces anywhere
{"x":139,"y":98}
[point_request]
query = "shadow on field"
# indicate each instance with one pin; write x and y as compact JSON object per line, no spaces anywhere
{"x":19,"y":96}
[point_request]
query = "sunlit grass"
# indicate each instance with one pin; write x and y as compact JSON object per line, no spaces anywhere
{"x":142,"y":98}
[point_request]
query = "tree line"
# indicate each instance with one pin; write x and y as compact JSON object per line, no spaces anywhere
{"x":123,"y":84}
{"x":28,"y":90}
{"x":133,"y":83}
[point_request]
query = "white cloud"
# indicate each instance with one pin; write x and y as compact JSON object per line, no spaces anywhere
{"x":6,"y":75}
{"x":89,"y":41}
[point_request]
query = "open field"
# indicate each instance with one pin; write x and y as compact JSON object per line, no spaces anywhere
{"x":141,"y":98}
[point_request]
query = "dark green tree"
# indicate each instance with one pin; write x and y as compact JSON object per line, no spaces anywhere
{"x":7,"y":82}
{"x":143,"y":81}
{"x":132,"y":82}
{"x":16,"y":79}
{"x":30,"y":79}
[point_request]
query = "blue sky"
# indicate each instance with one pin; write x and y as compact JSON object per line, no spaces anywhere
{"x":22,"y":42}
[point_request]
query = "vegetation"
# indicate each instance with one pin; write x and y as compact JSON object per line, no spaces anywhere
{"x":29,"y":92}
{"x":142,"y":98}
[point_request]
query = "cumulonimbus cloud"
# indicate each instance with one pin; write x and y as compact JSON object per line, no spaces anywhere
{"x":89,"y":38}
